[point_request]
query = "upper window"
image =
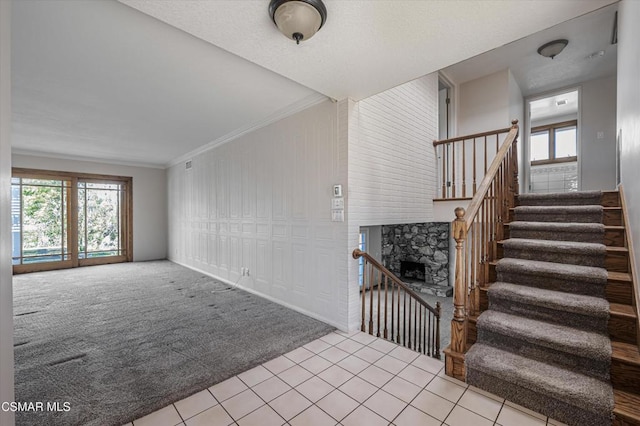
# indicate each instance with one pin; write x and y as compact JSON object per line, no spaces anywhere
{"x":554,"y":143}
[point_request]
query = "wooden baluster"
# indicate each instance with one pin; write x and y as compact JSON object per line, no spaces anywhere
{"x":404,"y":318}
{"x":453,"y":170}
{"x":429,"y":334}
{"x":499,"y":185}
{"x":464,"y":170}
{"x":444,"y":170}
{"x":385,"y":305}
{"x":363,"y":290}
{"x":415,"y":322}
{"x":371,"y":281}
{"x":408,"y":324}
{"x":485,"y":155}
{"x":398,"y":320}
{"x":379,"y":306}
{"x":474,"y":168}
{"x":421,"y":328}
{"x":458,"y":323}
{"x":497,"y":142}
{"x":437,"y":331}
{"x":392,"y":308}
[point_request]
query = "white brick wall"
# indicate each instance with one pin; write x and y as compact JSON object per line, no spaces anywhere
{"x":392,"y":171}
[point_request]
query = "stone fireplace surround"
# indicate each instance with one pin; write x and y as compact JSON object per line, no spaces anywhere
{"x":423,"y":243}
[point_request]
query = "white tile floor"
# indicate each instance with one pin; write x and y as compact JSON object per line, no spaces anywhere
{"x":345,"y":379}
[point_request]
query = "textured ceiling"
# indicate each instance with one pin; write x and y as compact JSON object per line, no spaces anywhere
{"x":535,"y":74}
{"x":99,"y":80}
{"x":366,"y":46}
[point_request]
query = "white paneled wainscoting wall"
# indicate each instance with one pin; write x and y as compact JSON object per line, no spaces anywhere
{"x":256,"y":212}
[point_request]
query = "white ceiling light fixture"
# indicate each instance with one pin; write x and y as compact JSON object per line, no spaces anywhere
{"x":298,"y":19}
{"x":553,"y":48}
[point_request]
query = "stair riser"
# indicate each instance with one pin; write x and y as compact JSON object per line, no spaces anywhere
{"x":581,"y":364}
{"x":612,"y":217}
{"x":620,"y":292}
{"x":554,"y":316}
{"x":547,"y":404}
{"x":614,"y":237}
{"x":623,"y":421}
{"x":617,"y":262}
{"x":625,"y":376}
{"x":623,"y":329}
{"x":571,"y":258}
{"x":611,"y":199}
{"x":582,"y":237}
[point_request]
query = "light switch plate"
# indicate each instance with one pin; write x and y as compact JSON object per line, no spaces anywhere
{"x":337,"y":203}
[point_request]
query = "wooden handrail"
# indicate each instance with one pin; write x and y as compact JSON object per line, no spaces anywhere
{"x":412,"y":323}
{"x":473,"y":136}
{"x":476,"y":233}
{"x":632,"y":260}
{"x":357,"y":253}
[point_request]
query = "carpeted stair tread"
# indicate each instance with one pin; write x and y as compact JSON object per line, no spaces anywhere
{"x":549,"y":383}
{"x":561,"y":198}
{"x":587,"y":274}
{"x":561,"y":301}
{"x":553,"y":336}
{"x":572,"y":252}
{"x":565,"y":231}
{"x":575,"y":214}
{"x":587,"y":280}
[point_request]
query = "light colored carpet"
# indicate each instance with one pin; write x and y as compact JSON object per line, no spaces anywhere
{"x":120,"y":341}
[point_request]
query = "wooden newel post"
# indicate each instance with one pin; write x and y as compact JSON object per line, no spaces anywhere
{"x":458,"y":323}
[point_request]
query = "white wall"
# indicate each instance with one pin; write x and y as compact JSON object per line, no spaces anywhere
{"x":628,"y":109}
{"x":6,"y":294}
{"x":484,"y":104}
{"x":263,"y":202}
{"x":597,"y":156}
{"x":516,"y":102}
{"x":149,"y":199}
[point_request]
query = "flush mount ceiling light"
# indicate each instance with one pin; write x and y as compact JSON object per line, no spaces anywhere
{"x":298,"y":19}
{"x":551,"y":49}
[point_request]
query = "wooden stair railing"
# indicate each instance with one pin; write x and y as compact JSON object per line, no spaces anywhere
{"x":476,"y":233}
{"x":395,"y":311}
{"x":463,"y":160}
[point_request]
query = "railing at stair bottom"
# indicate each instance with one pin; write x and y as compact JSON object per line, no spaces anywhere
{"x":395,"y":311}
{"x":476,"y":233}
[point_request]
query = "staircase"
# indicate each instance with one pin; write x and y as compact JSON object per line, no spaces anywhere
{"x":555,"y":328}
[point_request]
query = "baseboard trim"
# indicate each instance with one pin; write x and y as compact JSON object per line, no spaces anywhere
{"x":265,"y":296}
